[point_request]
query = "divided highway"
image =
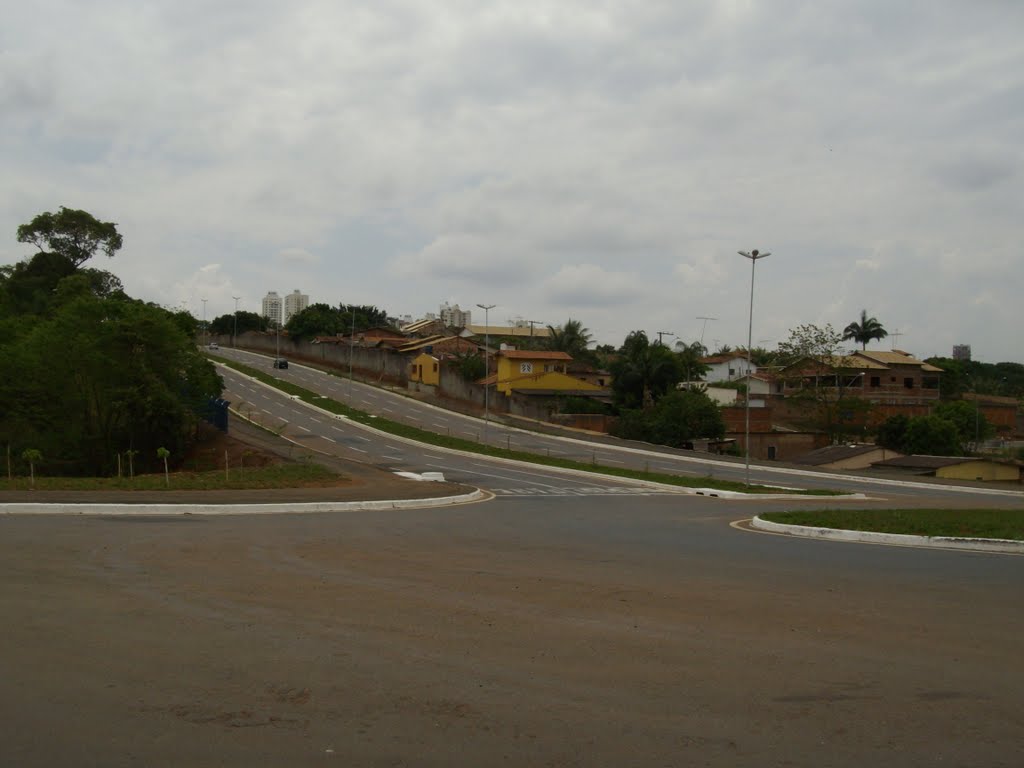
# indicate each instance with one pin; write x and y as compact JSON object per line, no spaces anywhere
{"x":325,"y":433}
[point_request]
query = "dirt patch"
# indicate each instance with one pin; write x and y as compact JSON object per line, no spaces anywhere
{"x":213,"y":447}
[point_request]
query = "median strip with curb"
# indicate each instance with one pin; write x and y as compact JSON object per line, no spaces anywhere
{"x":237,"y":509}
{"x":1004,"y":546}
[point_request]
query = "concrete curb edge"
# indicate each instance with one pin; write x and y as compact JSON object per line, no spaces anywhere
{"x":1005,"y":546}
{"x":237,"y":509}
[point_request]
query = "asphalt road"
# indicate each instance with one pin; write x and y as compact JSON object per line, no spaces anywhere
{"x":569,"y":621}
{"x":264,"y":405}
{"x":528,"y":630}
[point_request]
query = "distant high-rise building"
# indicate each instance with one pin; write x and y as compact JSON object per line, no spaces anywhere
{"x":453,"y":317}
{"x":273,"y":308}
{"x":962,"y":352}
{"x":294,"y":303}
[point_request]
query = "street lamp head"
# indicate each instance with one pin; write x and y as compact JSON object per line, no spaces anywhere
{"x":754,"y":255}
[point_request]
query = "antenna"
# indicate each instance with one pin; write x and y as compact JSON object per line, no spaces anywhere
{"x":663,"y":333}
{"x":895,"y":336}
{"x":703,"y":327}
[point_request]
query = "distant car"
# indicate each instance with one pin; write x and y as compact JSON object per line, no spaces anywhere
{"x":214,"y":345}
{"x":280,"y":362}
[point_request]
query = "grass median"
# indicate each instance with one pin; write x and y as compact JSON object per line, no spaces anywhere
{"x":288,"y":475}
{"x":470,"y":446}
{"x":956,"y":523}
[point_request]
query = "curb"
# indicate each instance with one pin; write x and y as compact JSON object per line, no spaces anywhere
{"x":1003,"y":546}
{"x":237,"y":509}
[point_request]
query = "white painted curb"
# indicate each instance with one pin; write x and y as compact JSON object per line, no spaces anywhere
{"x":236,"y":509}
{"x":1008,"y":546}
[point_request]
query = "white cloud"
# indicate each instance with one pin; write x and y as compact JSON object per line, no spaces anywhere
{"x":534,"y":154}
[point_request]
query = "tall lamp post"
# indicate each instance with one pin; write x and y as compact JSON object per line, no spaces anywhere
{"x":487,"y":362}
{"x":234,"y":333}
{"x":753,"y":255}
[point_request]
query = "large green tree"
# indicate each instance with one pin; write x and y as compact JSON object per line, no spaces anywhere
{"x":643,"y":372}
{"x":76,"y":235}
{"x":865,"y":330}
{"x":676,"y":420}
{"x":93,"y":373}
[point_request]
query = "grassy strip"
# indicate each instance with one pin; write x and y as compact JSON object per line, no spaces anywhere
{"x":292,"y":475}
{"x":458,"y":443}
{"x":959,"y":523}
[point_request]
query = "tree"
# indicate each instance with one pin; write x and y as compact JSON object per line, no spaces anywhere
{"x":810,"y":341}
{"x":75,"y":235}
{"x":971,"y":425}
{"x":470,"y":365}
{"x":32,"y":455}
{"x":690,"y":356}
{"x":163,"y":453}
{"x":571,"y":338}
{"x":892,"y":433}
{"x":315,"y":320}
{"x":643,"y":372}
{"x":931,"y":436}
{"x":224,"y":325}
{"x":675,"y":420}
{"x":868,"y":329}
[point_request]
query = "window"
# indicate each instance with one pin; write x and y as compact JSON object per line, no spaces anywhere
{"x":435,"y":367}
{"x":908,"y":383}
{"x":526,"y":367}
{"x":876,"y":381}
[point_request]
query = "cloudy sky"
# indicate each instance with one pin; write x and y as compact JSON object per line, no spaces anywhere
{"x":599,"y":160}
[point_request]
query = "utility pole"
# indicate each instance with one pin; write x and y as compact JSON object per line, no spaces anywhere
{"x":664,"y":333}
{"x":531,"y":322}
{"x":204,"y":321}
{"x":234,"y":334}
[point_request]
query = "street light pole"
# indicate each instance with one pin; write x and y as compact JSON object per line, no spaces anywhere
{"x":487,"y":362}
{"x":204,"y":321}
{"x":234,"y":333}
{"x":753,"y":255}
{"x":351,"y":348}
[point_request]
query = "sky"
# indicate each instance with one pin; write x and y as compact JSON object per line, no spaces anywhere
{"x":598,"y":160}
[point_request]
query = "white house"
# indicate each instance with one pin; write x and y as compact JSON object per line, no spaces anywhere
{"x":727,"y":367}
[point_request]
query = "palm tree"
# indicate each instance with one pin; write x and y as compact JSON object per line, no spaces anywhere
{"x":868,"y":329}
{"x":572,"y":338}
{"x":644,"y":372}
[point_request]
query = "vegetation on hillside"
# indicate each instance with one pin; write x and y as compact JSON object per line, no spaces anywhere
{"x":90,"y":372}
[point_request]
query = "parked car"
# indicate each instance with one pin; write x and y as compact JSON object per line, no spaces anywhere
{"x":280,"y":362}
{"x":214,"y":345}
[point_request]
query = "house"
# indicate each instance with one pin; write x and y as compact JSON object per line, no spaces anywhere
{"x":539,"y":373}
{"x":852,"y":456}
{"x":955,"y":467}
{"x":425,"y":369}
{"x":440,"y":345}
{"x":883,"y":378}
{"x":727,"y":367}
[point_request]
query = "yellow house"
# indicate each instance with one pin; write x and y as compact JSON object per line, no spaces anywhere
{"x":425,"y":369}
{"x":537,"y":372}
{"x":980,"y":469}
